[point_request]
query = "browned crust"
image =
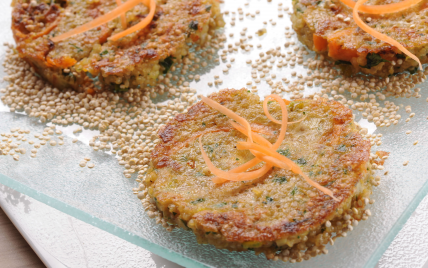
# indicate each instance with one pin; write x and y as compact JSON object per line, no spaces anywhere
{"x":237,"y":226}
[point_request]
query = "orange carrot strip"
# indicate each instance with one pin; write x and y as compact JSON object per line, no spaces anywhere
{"x":284,"y":121}
{"x":123,"y":16}
{"x":217,"y":106}
{"x":241,"y":168}
{"x":383,"y":9}
{"x":274,"y":161}
{"x":257,"y":138}
{"x":139,"y":26}
{"x":269,"y":152}
{"x":245,"y":176}
{"x":319,"y":187}
{"x":379,"y":35}
{"x":272,"y":157}
{"x":100,"y":20}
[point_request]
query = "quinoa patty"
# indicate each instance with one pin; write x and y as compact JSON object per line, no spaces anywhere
{"x":327,"y":27}
{"x":90,"y":60}
{"x":278,"y":213}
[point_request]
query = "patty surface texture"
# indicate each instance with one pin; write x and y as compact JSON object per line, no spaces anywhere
{"x":273,"y":213}
{"x":90,"y":59}
{"x":328,"y":27}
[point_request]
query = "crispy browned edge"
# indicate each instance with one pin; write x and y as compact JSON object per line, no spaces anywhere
{"x":244,"y":231}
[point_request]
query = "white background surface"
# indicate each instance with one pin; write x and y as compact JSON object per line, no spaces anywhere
{"x":63,"y":241}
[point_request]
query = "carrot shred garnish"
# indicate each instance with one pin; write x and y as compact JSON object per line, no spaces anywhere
{"x":244,"y":176}
{"x":383,"y":9}
{"x":139,"y":26}
{"x":123,"y":16}
{"x":284,"y":121}
{"x":268,"y":152}
{"x":256,"y":137}
{"x":379,"y":35}
{"x":122,"y":9}
{"x":274,"y":158}
{"x":244,"y":167}
{"x":263,"y":151}
{"x":217,"y":106}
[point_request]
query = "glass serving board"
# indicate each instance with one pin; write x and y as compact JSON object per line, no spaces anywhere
{"x":103,"y":197}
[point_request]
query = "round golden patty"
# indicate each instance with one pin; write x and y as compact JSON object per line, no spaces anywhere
{"x":328,"y":27}
{"x":278,"y":214}
{"x":90,"y":60}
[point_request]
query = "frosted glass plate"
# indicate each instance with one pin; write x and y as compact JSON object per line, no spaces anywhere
{"x":102,"y":196}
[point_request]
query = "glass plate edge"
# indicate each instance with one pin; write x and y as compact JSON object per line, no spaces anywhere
{"x":398,"y":225}
{"x":103,"y":225}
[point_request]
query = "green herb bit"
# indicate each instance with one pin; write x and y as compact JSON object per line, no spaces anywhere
{"x":341,"y":148}
{"x":94,"y":79}
{"x":373,"y":60}
{"x":301,"y":161}
{"x":222,"y":204}
{"x":194,"y":25}
{"x":167,"y":63}
{"x":400,"y":56}
{"x":197,"y":201}
{"x":76,"y":47}
{"x":414,"y":70}
{"x":285,"y":152}
{"x":280,"y":180}
{"x":293,"y":192}
{"x":104,"y":53}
